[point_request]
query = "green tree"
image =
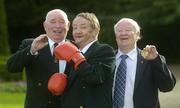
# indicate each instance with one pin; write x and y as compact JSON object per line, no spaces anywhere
{"x":3,"y":30}
{"x":157,"y":18}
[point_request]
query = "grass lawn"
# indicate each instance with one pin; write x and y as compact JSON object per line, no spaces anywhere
{"x":12,"y":95}
{"x":11,"y":100}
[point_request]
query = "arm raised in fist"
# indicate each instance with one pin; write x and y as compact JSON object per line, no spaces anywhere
{"x":68,"y":51}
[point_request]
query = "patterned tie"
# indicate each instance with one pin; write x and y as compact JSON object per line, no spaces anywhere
{"x":120,"y":83}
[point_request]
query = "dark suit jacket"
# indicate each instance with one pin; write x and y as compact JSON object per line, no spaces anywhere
{"x":38,"y":70}
{"x":151,"y":76}
{"x":90,"y":86}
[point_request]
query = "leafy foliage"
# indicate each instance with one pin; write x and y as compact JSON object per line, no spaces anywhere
{"x":3,"y":31}
{"x":156,"y":17}
{"x":13,"y":87}
{"x":4,"y":75}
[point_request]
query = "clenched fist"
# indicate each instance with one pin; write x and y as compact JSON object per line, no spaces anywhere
{"x":57,"y":83}
{"x":149,"y":52}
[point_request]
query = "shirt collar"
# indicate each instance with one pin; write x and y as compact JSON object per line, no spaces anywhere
{"x":51,"y":43}
{"x":87,"y":46}
{"x":132,"y":54}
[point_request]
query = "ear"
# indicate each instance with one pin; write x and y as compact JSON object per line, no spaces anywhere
{"x":69,"y":24}
{"x":96,"y":31}
{"x":138,"y":36}
{"x":44,"y":25}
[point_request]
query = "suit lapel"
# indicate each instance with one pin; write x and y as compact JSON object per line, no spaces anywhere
{"x":91,"y":49}
{"x":141,"y":62}
{"x":46,"y":52}
{"x":72,"y":74}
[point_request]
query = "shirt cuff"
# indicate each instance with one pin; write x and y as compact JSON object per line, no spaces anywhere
{"x":36,"y":53}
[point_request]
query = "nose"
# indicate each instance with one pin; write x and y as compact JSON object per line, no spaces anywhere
{"x":58,"y":25}
{"x":123,"y":32}
{"x":77,"y":31}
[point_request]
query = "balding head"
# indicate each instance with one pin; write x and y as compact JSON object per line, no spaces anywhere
{"x":57,"y":11}
{"x":56,"y":25}
{"x":133,"y":23}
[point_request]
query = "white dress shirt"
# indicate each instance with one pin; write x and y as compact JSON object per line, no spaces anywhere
{"x":62,"y":63}
{"x":130,"y":76}
{"x":87,"y":47}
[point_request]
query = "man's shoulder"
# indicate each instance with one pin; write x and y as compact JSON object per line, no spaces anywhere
{"x":27,"y":41}
{"x":106,"y":46}
{"x":103,"y":48}
{"x":97,"y":43}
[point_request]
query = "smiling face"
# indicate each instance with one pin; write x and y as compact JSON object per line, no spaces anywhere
{"x":56,"y":25}
{"x":83,"y":32}
{"x":126,"y":35}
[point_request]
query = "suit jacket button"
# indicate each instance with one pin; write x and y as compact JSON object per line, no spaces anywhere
{"x":39,"y":84}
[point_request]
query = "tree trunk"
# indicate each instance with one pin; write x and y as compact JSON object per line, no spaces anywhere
{"x":4,"y":46}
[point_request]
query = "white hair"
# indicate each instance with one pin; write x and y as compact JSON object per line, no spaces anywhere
{"x":60,"y":12}
{"x":133,"y":22}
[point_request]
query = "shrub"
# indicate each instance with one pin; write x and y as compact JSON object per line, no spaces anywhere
{"x":5,"y":75}
{"x":13,"y":87}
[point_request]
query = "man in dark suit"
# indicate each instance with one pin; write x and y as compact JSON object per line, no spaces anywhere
{"x":36,"y":55}
{"x":90,"y":77}
{"x":145,"y":71}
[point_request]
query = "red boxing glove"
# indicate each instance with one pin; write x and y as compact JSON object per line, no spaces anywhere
{"x":68,"y":51}
{"x":57,"y":83}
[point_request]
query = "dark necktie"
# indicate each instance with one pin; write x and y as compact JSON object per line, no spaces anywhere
{"x":55,"y":59}
{"x":120,"y":83}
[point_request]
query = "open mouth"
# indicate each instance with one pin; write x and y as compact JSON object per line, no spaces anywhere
{"x":78,"y":36}
{"x":125,"y":38}
{"x":57,"y":32}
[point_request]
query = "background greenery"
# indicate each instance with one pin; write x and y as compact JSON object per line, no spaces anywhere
{"x":20,"y":19}
{"x":11,"y":100}
{"x":4,"y":46}
{"x":5,"y":76}
{"x":12,"y":95}
{"x":159,"y":20}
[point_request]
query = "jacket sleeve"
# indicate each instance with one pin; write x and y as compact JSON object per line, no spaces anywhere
{"x":99,"y":66}
{"x":21,"y":58}
{"x":164,"y":78}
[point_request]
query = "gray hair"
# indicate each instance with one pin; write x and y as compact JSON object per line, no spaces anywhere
{"x":133,"y":22}
{"x":60,"y":12}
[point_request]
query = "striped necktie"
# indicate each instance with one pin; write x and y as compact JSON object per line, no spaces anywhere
{"x":120,"y":83}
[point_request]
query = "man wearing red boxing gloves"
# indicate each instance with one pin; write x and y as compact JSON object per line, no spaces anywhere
{"x":90,"y":77}
{"x":44,"y":82}
{"x":68,"y":51}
